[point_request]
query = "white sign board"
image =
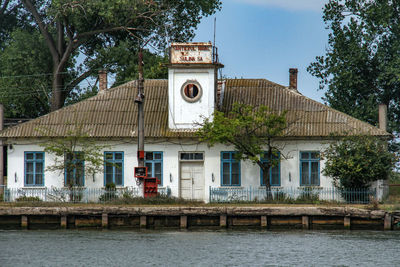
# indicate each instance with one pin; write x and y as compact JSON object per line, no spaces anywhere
{"x":191,"y":53}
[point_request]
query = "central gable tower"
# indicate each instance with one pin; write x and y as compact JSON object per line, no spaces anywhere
{"x":192,"y":83}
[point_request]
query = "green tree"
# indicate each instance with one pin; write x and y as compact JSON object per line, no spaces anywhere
{"x":11,"y":17}
{"x":251,"y":130}
{"x":357,"y":161}
{"x":24,"y":94}
{"x":361,"y":68}
{"x":75,"y":154}
{"x":72,"y":28}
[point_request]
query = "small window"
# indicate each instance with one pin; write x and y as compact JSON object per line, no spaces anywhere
{"x":192,"y":156}
{"x":34,"y":168}
{"x":230,"y":169}
{"x":309,"y":168}
{"x":114,"y":168}
{"x":74,"y":169}
{"x":191,"y":91}
{"x":154,"y":163}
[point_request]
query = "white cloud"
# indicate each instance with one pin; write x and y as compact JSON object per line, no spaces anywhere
{"x":312,"y":5}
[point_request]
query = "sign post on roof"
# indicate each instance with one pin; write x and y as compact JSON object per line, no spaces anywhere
{"x":191,"y":53}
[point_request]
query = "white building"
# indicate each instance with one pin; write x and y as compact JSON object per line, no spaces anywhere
{"x":173,"y":153}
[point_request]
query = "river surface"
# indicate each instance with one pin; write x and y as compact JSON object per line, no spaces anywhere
{"x":199,"y":248}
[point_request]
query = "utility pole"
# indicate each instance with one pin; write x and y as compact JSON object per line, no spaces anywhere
{"x":139,"y":100}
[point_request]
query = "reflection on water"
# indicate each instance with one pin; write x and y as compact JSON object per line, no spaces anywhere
{"x":199,"y":248}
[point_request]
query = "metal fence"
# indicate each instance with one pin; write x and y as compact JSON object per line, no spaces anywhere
{"x":291,"y":195}
{"x":74,"y":195}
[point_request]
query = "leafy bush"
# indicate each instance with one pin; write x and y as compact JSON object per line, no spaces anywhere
{"x":109,"y":194}
{"x":28,"y":199}
{"x":308,"y":195}
{"x":356,"y":161}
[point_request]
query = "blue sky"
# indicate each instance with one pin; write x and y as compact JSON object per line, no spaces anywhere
{"x":264,"y":38}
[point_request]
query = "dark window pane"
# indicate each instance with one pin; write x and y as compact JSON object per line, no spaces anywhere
{"x":157,"y":168}
{"x":235,"y":168}
{"x":118,"y":156}
{"x":39,"y":179}
{"x":29,"y":155}
{"x":275,"y":176}
{"x":305,"y":155}
{"x":39,"y":156}
{"x":226,"y":156}
{"x":226,"y":173}
{"x":235,"y":173}
{"x":39,"y":167}
{"x":315,"y":155}
{"x":29,"y":179}
{"x":305,"y":179}
{"x":118,"y":179}
{"x":118,"y":167}
{"x":109,"y":178}
{"x":149,"y":166}
{"x":184,"y":156}
{"x":314,"y":173}
{"x":109,"y":156}
{"x":235,"y":179}
{"x":149,"y":155}
{"x":157,"y":156}
{"x":29,"y":167}
{"x":198,"y":156}
{"x":109,"y":167}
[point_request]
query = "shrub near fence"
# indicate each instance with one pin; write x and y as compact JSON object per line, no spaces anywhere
{"x":74,"y":195}
{"x":291,"y":195}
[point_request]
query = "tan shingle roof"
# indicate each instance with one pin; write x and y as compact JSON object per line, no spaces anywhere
{"x":113,"y":113}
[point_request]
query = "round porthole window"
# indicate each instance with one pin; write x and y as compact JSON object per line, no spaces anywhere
{"x":191,"y":91}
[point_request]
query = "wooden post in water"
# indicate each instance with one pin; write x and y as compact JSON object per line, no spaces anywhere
{"x":306,"y":222}
{"x":347,"y":222}
{"x":387,"y":223}
{"x":183,"y":222}
{"x":104,"y":220}
{"x":264,"y":221}
{"x":143,"y":221}
{"x":63,"y":222}
{"x":222,"y":221}
{"x":24,"y":222}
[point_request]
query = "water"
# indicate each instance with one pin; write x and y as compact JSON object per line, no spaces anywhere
{"x":199,"y":248}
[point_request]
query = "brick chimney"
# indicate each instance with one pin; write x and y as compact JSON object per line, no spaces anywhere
{"x":102,"y":80}
{"x":293,"y":78}
{"x":383,"y":117}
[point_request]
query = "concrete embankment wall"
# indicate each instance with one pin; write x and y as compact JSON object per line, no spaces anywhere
{"x":120,"y":217}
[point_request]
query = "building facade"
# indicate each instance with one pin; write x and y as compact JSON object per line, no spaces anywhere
{"x":174,"y":155}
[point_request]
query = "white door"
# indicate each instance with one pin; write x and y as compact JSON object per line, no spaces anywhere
{"x":192,"y":180}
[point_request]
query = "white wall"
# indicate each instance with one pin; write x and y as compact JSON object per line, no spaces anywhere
{"x":250,"y":174}
{"x":182,"y":113}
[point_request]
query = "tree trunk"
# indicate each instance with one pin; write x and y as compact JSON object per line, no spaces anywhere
{"x":57,"y":100}
{"x":266,"y":180}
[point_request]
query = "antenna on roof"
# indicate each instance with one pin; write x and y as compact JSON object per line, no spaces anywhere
{"x":214,"y":47}
{"x":215,"y":29}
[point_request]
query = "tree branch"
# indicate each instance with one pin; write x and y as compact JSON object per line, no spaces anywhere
{"x":75,"y":82}
{"x":47,"y":37}
{"x":4,"y":7}
{"x":113,"y":29}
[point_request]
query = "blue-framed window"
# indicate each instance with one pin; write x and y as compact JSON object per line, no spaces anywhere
{"x":154,"y":163}
{"x":34,"y":169}
{"x":114,"y":168}
{"x":230,"y":169}
{"x":274,"y":172}
{"x":74,"y":169}
{"x":309,"y":168}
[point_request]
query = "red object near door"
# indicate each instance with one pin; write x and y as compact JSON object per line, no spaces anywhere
{"x":150,"y":186}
